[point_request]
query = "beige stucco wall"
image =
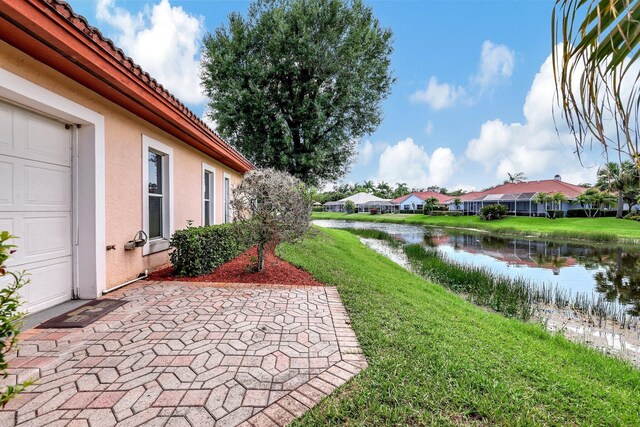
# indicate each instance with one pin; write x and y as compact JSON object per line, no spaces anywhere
{"x":123,"y":165}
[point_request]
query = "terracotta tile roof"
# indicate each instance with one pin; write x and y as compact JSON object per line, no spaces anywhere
{"x":39,"y":19}
{"x":544,"y":186}
{"x":422,"y":195}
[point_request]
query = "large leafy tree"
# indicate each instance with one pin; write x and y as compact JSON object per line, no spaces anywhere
{"x":296,"y":83}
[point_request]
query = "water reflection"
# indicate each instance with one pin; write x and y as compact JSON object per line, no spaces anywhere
{"x":611,"y":271}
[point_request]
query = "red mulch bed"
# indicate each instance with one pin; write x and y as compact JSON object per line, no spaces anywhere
{"x":238,"y":270}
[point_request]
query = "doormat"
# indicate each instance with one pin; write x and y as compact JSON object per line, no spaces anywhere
{"x":84,"y":315}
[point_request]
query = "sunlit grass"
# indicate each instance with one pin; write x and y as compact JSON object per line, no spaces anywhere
{"x":436,"y":359}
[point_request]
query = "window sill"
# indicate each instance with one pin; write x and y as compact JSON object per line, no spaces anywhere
{"x":155,"y":246}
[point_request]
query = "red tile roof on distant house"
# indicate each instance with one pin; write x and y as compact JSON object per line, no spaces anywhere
{"x":422,"y":195}
{"x":52,"y":33}
{"x":532,"y":187}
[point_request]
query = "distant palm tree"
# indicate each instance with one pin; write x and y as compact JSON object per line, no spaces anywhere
{"x":430,"y":203}
{"x":586,"y":199}
{"x":516,"y":178}
{"x":401,"y":189}
{"x":543,"y":199}
{"x":368,"y":186}
{"x":559,"y":198}
{"x":616,"y":178}
{"x":383,"y":190}
{"x":457,"y":202}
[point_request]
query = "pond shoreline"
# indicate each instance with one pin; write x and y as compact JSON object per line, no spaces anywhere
{"x":510,"y":226}
{"x":610,"y":338}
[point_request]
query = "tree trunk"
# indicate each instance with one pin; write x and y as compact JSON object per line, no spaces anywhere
{"x":260,"y":256}
{"x":620,"y":204}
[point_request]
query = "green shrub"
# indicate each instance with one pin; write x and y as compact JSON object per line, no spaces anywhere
{"x":317,"y":209}
{"x":633,"y":216}
{"x":200,"y":250}
{"x":11,"y":319}
{"x":493,"y":212}
{"x":350,"y":207}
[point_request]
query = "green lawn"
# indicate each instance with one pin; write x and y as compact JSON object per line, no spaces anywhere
{"x":600,"y":229}
{"x":435,"y":359}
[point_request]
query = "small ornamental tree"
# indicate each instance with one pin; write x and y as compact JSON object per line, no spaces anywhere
{"x":10,"y":317}
{"x":350,"y":207}
{"x":270,"y":207}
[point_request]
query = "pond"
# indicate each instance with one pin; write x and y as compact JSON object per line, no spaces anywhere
{"x":610,"y":271}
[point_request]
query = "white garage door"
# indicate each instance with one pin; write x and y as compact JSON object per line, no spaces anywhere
{"x":35,"y":202}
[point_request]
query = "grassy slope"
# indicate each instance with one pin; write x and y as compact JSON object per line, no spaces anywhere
{"x":579,"y":228}
{"x":436,"y":359}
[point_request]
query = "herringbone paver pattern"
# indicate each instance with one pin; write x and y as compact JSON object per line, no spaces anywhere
{"x":181,"y":354}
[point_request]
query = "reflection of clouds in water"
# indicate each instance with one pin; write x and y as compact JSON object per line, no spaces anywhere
{"x":610,"y":271}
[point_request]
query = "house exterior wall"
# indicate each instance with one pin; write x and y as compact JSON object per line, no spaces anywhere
{"x":123,"y":169}
{"x":408,"y":202}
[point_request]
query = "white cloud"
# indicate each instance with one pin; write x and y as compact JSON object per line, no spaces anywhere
{"x":410,"y":163}
{"x":164,"y":40}
{"x":206,"y":118}
{"x":429,"y":129}
{"x":532,"y":147}
{"x":439,"y":95}
{"x":464,"y":187}
{"x":365,"y":153}
{"x":496,"y":63}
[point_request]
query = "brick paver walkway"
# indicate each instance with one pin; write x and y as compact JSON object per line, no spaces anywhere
{"x":181,"y":354}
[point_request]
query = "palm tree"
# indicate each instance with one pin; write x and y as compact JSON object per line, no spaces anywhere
{"x":585,"y":199}
{"x":383,"y":190}
{"x":597,"y":44}
{"x":559,"y":198}
{"x":368,"y":186}
{"x":542,"y":199}
{"x":457,"y":202}
{"x":430,"y":203}
{"x":401,"y":189}
{"x":616,"y":178}
{"x":516,"y":178}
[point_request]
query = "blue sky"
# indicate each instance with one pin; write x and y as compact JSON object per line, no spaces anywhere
{"x":473,"y":97}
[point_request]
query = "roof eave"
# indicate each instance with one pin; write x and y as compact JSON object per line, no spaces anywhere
{"x":50,"y":32}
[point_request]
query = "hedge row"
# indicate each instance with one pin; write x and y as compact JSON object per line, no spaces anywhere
{"x":582,"y":213}
{"x":200,"y":250}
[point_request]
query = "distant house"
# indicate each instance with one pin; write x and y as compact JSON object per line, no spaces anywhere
{"x":518,"y":197}
{"x":415,"y":201}
{"x":364,"y":203}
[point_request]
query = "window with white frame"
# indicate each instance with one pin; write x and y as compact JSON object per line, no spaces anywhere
{"x":208,"y":194}
{"x":157,"y":165}
{"x":227,"y":198}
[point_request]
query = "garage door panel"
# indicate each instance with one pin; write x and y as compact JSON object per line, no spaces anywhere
{"x":7,"y":171}
{"x":46,"y":237}
{"x":47,"y":140}
{"x":41,"y":235}
{"x":44,"y":289}
{"x":35,"y":186}
{"x":46,"y":187}
{"x":6,"y":136}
